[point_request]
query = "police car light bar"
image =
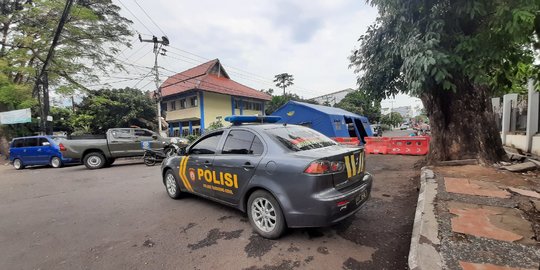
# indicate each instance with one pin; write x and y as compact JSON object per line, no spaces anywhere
{"x":239,"y":119}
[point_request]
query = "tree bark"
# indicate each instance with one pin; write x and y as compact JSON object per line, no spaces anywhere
{"x":463,"y":125}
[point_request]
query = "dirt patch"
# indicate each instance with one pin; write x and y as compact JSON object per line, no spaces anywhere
{"x":532,"y":214}
{"x":284,"y":265}
{"x":213,"y":236}
{"x":385,"y":223}
{"x":258,"y":246}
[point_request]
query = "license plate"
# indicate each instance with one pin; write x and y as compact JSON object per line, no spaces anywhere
{"x":361,"y":197}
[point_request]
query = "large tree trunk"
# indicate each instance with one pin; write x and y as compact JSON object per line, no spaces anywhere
{"x":462,"y":125}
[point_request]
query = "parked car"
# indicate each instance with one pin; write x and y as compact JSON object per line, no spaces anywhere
{"x":282,"y":175}
{"x":37,"y":150}
{"x":404,"y":126}
{"x":118,"y":143}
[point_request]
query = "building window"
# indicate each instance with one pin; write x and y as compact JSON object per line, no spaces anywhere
{"x":164,"y":106}
{"x":193,"y":101}
{"x":182,"y":103}
{"x":173,"y":105}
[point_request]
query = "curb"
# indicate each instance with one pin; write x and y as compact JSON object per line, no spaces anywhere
{"x":423,"y":253}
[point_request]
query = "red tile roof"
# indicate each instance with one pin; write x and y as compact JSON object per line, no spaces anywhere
{"x":201,"y":77}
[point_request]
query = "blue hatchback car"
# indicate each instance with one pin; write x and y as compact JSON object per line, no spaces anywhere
{"x":37,"y":150}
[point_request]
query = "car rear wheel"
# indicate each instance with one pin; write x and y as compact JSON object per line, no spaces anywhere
{"x":94,"y":160}
{"x":56,"y":162}
{"x":171,"y":184}
{"x":17,"y":164}
{"x":265,"y":215}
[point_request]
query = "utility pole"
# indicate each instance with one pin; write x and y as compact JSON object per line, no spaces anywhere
{"x":41,"y":86}
{"x":158,"y":44}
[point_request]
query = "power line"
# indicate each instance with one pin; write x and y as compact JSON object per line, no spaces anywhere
{"x":150,"y":18}
{"x":148,"y":52}
{"x":241,"y":72}
{"x":144,"y":77}
{"x":135,"y":16}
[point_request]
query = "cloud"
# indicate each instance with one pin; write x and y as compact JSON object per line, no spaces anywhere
{"x":257,"y":39}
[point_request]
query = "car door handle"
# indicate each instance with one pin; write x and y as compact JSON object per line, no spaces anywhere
{"x":207,"y":163}
{"x":248,"y":165}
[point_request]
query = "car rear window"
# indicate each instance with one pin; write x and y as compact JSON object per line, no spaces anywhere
{"x":298,"y":138}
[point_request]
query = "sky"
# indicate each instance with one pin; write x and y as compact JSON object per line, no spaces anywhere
{"x":254,"y":40}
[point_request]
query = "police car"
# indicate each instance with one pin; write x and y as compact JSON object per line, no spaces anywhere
{"x":281,"y":175}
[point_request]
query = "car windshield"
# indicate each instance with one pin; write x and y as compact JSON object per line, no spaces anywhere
{"x":298,"y":138}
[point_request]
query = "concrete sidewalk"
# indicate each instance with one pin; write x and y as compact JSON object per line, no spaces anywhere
{"x":474,"y":217}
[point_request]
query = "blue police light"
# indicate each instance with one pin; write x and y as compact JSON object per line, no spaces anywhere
{"x":239,"y":119}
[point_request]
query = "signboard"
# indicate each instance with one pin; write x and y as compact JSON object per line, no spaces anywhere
{"x":15,"y":117}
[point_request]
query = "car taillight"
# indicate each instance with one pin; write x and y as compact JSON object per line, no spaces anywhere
{"x":324,"y":166}
{"x":62,"y":147}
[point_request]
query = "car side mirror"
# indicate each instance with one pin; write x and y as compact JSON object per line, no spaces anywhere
{"x":182,"y":151}
{"x":154,"y":137}
{"x":45,"y":143}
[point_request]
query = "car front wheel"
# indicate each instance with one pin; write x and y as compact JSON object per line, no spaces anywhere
{"x":56,"y":162}
{"x":265,"y":215}
{"x":94,"y":160}
{"x":17,"y":164}
{"x":171,"y":184}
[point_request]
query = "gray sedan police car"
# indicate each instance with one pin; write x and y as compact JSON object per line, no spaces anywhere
{"x":281,"y":175}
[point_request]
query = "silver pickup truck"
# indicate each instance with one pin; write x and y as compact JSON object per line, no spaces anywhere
{"x":118,"y":143}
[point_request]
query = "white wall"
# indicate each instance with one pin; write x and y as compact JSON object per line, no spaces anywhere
{"x":517,"y":141}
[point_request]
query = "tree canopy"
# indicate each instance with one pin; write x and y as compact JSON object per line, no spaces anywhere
{"x":110,"y":108}
{"x":419,"y":46}
{"x":392,"y":119}
{"x":454,"y":55}
{"x":283,"y":81}
{"x":358,"y":102}
{"x":278,"y":101}
{"x":92,"y":36}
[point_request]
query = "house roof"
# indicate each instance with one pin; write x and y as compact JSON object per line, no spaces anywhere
{"x":212,"y":77}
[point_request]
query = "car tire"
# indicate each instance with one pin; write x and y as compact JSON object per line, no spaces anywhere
{"x":56,"y":162}
{"x":171,"y":185}
{"x":94,"y":160}
{"x":265,"y":215}
{"x":17,"y":164}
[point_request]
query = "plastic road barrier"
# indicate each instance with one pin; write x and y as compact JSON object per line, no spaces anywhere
{"x":377,"y":145}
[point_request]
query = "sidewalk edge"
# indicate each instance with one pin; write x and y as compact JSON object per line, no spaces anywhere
{"x":423,"y":253}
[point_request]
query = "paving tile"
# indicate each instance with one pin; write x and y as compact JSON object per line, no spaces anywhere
{"x":504,"y":224}
{"x":524,"y":192}
{"x":474,"y":187}
{"x":486,"y":266}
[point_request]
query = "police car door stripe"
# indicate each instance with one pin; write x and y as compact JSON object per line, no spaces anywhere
{"x":348,"y":166}
{"x":184,"y":175}
{"x":181,"y":173}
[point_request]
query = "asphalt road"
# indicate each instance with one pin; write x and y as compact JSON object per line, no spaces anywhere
{"x":121,"y":218}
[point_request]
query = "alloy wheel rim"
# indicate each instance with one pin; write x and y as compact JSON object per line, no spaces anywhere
{"x":55,"y":162}
{"x":171,"y":184}
{"x":264,"y":214}
{"x":94,"y":161}
{"x":17,"y":164}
